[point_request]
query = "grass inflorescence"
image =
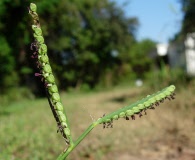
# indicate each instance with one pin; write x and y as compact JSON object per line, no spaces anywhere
{"x":138,"y":107}
{"x":47,"y":77}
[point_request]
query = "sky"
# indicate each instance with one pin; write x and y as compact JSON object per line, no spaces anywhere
{"x":158,"y":20}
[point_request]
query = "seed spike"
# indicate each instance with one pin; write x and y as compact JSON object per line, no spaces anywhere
{"x":40,"y":55}
{"x":149,"y":102}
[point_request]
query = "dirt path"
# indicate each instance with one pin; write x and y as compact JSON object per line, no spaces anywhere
{"x":166,"y":133}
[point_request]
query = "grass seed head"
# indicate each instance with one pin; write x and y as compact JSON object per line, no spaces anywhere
{"x":59,"y":106}
{"x":146,"y":103}
{"x":33,"y":7}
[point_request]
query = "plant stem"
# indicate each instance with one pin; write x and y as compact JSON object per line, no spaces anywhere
{"x":47,"y":77}
{"x":63,"y":155}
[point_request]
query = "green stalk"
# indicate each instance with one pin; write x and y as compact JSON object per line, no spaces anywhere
{"x":63,"y":155}
{"x":55,"y":102}
{"x":47,"y":77}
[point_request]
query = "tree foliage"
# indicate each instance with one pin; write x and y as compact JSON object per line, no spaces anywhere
{"x":188,"y":24}
{"x":13,"y":39}
{"x":139,"y":57}
{"x":86,"y":39}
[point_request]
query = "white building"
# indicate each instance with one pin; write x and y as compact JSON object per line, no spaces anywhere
{"x":190,"y":54}
{"x":180,"y":54}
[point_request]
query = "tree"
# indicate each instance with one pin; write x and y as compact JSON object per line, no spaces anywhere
{"x":14,"y":37}
{"x":188,"y":24}
{"x":139,"y":57}
{"x":81,"y":36}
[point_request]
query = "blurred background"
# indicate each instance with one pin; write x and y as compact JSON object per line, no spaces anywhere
{"x":104,"y":55}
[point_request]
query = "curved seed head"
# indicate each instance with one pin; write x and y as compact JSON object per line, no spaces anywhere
{"x":34,"y":27}
{"x":167,"y":93}
{"x":39,"y":39}
{"x":67,"y":131}
{"x":148,"y":96}
{"x":47,"y":68}
{"x":115,"y":117}
{"x":61,"y":116}
{"x":157,"y":97}
{"x":162,"y":95}
{"x":64,"y":124}
{"x":141,"y":106}
{"x":50,"y":79}
{"x":152,"y":100}
{"x":44,"y":58}
{"x":53,"y":88}
{"x":108,"y":120}
{"x":56,"y":97}
{"x":122,"y":114}
{"x":171,"y":88}
{"x":38,"y":31}
{"x":35,"y":36}
{"x":147,"y":103}
{"x":136,"y":109}
{"x":59,"y":106}
{"x":43,"y":48}
{"x":129,"y":112}
{"x":33,"y":7}
{"x":35,"y":17}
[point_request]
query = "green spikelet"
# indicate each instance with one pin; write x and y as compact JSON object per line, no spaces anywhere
{"x":49,"y":80}
{"x":146,"y":103}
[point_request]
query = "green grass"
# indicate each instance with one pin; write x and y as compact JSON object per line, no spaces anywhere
{"x":28,"y":129}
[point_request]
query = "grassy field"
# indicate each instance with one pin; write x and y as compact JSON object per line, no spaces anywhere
{"x":28,"y":129}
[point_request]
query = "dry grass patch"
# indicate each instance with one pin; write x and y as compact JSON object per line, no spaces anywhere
{"x":166,"y":133}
